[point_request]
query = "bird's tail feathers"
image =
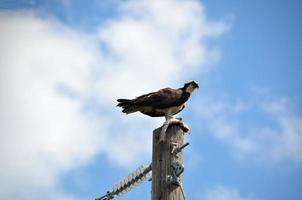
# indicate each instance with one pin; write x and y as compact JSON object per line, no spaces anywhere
{"x":130,"y":109}
{"x":127,"y":105}
{"x":123,"y":102}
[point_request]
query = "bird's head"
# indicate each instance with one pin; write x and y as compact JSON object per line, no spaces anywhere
{"x":190,"y":86}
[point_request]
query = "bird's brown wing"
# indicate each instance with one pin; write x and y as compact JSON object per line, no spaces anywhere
{"x":163,"y":98}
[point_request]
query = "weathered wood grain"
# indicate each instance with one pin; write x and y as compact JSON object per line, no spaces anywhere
{"x":161,"y":163}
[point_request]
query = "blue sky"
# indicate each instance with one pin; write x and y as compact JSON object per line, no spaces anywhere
{"x":65,"y":62}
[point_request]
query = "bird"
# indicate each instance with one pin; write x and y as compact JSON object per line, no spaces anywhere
{"x":165,"y":102}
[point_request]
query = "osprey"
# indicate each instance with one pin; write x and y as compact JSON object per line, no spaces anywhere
{"x":165,"y":102}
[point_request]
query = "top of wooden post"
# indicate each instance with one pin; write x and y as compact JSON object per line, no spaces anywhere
{"x":163,"y":187}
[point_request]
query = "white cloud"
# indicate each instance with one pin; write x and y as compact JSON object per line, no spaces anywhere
{"x":158,"y":40}
{"x":262,"y":127}
{"x":43,"y":133}
{"x":224,"y":193}
{"x":58,"y":88}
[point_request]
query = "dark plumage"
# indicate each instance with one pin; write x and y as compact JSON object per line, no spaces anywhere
{"x":165,"y":102}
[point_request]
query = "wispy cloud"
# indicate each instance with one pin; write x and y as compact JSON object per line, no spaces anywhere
{"x":225,"y":193}
{"x":58,"y":88}
{"x":263,"y":127}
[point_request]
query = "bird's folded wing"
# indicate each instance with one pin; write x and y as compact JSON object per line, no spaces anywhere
{"x":163,"y":98}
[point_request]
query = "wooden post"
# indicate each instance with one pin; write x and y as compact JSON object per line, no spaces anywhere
{"x":161,"y":163}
